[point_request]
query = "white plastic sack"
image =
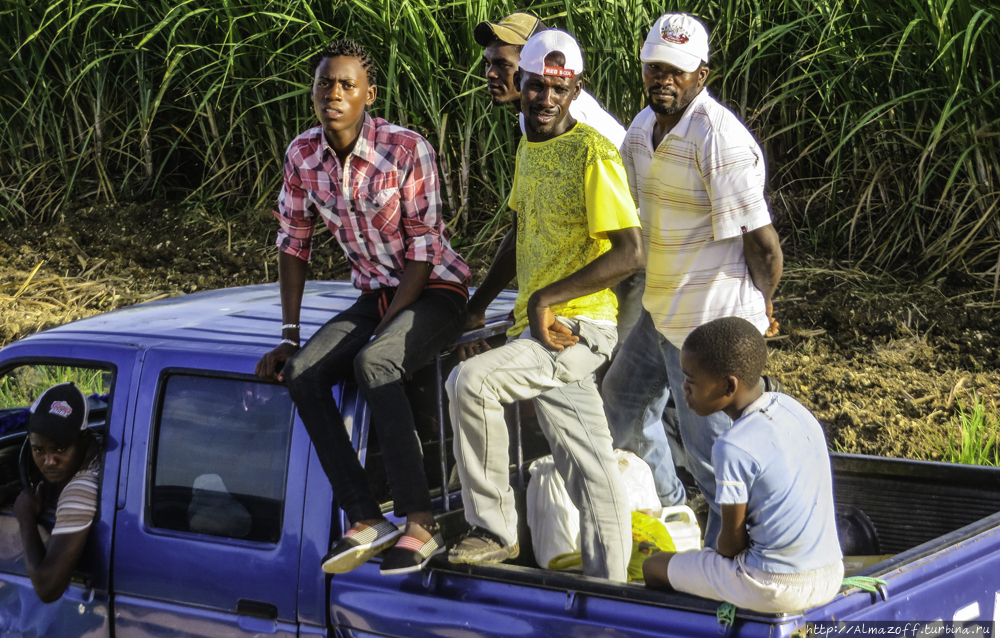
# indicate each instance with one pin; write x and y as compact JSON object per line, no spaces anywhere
{"x":638,"y":480}
{"x":554,"y":520}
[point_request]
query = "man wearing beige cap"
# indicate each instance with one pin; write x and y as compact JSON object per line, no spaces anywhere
{"x":503,"y":42}
{"x":697,"y":176}
{"x":576,"y":235}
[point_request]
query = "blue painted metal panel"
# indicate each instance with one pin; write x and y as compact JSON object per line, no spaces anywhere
{"x":446,"y":604}
{"x":315,"y":542}
{"x":962,"y":576}
{"x":141,"y":618}
{"x":80,"y":613}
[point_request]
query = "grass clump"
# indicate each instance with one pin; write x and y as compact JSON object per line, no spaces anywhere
{"x":20,"y":387}
{"x":972,"y":436}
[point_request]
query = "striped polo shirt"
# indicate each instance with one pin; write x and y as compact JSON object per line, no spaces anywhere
{"x":697,"y":193}
{"x":77,"y":503}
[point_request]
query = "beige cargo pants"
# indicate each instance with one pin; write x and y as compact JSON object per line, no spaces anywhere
{"x":571,"y":415}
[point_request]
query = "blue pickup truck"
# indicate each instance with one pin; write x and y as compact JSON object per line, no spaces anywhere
{"x":214,"y":512}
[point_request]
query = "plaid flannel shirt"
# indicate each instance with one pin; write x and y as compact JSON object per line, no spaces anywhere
{"x":384,"y":206}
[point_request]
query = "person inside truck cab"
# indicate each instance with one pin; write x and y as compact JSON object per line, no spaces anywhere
{"x":778,"y":550}
{"x":576,"y":234}
{"x":375,"y":185}
{"x":68,"y":457}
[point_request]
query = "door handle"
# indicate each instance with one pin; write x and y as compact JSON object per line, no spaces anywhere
{"x":256,"y":616}
{"x":256,"y":609}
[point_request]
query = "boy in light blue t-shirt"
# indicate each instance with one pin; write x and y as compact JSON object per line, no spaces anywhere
{"x":778,"y":549}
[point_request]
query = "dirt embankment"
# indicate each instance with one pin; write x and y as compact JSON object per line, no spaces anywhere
{"x":884,"y":364}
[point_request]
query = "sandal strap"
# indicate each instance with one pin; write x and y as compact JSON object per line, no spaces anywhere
{"x":414,"y":544}
{"x":411,"y":543}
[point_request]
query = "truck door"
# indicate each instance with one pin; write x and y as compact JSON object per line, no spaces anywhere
{"x":28,"y":368}
{"x":209,"y":534}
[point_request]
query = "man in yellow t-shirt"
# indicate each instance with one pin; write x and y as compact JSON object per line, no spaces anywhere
{"x":577,"y":234}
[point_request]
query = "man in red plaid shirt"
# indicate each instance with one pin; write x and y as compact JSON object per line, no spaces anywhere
{"x":376,"y":187}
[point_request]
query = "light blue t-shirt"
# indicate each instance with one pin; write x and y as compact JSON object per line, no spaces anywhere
{"x":775,"y":460}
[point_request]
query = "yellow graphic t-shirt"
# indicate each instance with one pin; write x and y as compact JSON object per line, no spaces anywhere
{"x":568,"y":193}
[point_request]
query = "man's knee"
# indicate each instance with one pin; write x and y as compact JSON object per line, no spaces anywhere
{"x":299,"y":378}
{"x":375,"y":367}
{"x":467,"y":380}
{"x":452,"y":381}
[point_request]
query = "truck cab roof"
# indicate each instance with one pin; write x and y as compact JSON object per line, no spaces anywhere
{"x":245,"y":318}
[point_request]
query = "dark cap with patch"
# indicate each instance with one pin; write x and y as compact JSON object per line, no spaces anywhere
{"x":60,"y":414}
{"x":514,"y":29}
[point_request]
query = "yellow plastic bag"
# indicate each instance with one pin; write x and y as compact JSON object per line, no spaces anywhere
{"x":570,"y":561}
{"x":649,"y":536}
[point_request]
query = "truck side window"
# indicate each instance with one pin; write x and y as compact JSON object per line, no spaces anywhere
{"x":221,"y":457}
{"x":19,"y":388}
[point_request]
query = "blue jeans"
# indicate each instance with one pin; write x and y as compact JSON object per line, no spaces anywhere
{"x":635,"y":392}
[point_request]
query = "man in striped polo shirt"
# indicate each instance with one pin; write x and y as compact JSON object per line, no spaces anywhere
{"x":68,"y":456}
{"x":697,"y":176}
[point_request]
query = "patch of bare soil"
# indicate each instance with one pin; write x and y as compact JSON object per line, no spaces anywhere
{"x":884,"y":364}
{"x":99,"y":258}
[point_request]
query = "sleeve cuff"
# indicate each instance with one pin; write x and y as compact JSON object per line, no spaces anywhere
{"x":427,"y":249}
{"x":730,"y":492}
{"x":290,"y":246}
{"x":742,"y":225}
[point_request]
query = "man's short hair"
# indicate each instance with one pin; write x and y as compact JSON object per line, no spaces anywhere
{"x":729,"y":346}
{"x":347,"y":49}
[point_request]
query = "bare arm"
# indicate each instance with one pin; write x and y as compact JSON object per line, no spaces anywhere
{"x":411,"y":284}
{"x":501,"y":272}
{"x":625,"y":257}
{"x":762,"y":250}
{"x":49,"y":568}
{"x":292,"y":273}
{"x":733,"y":537}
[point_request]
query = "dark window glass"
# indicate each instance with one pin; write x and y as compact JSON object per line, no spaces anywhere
{"x":221,"y":457}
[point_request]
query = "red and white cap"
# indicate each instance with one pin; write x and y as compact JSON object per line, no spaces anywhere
{"x":677,"y":39}
{"x":542,"y":44}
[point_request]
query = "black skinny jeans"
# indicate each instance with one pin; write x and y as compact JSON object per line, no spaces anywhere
{"x":408,"y":343}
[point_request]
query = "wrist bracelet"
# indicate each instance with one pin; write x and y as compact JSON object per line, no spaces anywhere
{"x":289,"y":341}
{"x":289,"y":326}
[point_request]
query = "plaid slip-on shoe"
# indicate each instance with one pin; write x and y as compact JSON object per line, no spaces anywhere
{"x":357,"y":546}
{"x":412,"y":554}
{"x":482,"y":546}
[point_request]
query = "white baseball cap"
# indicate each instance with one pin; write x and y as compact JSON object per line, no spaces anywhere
{"x":677,"y":39}
{"x":540,"y":45}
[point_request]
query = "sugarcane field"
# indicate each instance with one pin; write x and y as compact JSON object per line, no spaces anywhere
{"x":142,"y":147}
